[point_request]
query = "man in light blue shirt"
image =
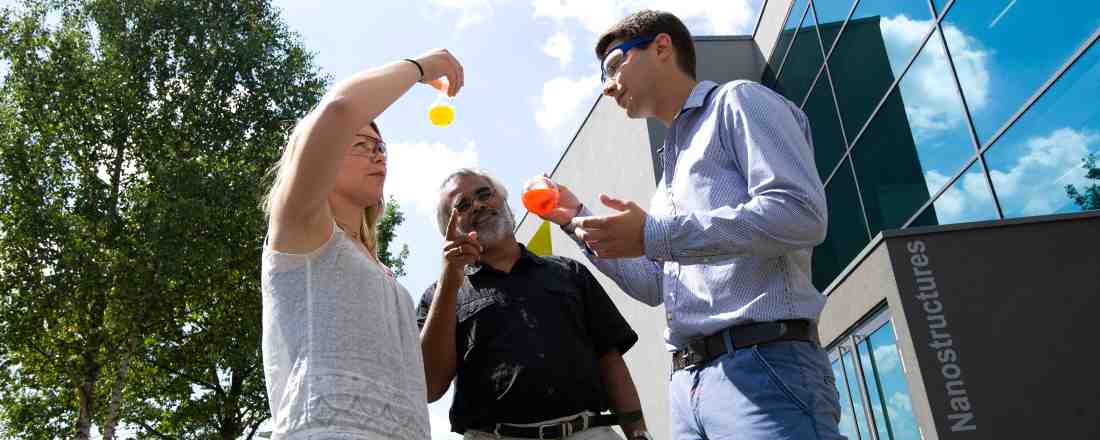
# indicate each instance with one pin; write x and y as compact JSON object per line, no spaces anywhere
{"x":725,"y":245}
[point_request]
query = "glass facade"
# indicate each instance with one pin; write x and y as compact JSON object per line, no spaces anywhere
{"x":931,"y":112}
{"x":870,"y":379}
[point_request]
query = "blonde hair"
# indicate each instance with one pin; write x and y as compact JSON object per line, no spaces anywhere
{"x":368,"y":229}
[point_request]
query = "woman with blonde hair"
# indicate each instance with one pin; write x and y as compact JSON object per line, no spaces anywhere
{"x":341,"y":349}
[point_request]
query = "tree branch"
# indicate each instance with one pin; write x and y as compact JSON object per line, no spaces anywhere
{"x":153,"y":431}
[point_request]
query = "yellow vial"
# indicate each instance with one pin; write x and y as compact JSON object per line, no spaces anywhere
{"x":441,"y":114}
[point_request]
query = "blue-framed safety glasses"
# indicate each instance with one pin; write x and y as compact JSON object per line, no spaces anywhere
{"x":617,"y":55}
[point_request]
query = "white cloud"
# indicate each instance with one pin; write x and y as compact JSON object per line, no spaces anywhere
{"x":559,"y":46}
{"x":1033,"y":185}
{"x":727,"y":17}
{"x":931,"y":101}
{"x":720,"y":17}
{"x":595,"y":15}
{"x":416,"y":169}
{"x":472,"y":11}
{"x":901,"y":402}
{"x":564,"y":100}
{"x":887,"y":358}
{"x":1036,"y":183}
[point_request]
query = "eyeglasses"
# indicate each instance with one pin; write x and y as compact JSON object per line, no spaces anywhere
{"x":368,"y":147}
{"x":617,"y":55}
{"x":482,"y":195}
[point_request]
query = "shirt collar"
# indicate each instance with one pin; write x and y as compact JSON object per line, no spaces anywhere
{"x":524,"y":255}
{"x":698,"y":95}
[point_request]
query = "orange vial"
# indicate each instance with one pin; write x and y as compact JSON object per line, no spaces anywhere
{"x":540,"y":196}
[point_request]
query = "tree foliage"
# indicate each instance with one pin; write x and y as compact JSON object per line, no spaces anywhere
{"x":1089,"y":196}
{"x":134,"y":137}
{"x":391,"y":219}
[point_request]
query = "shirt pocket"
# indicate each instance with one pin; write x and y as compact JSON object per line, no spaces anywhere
{"x":478,"y":301}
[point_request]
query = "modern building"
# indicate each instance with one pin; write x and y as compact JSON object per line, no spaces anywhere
{"x":962,"y":263}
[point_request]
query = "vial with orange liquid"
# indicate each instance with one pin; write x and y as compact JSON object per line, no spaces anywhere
{"x":442,"y":110}
{"x":540,"y":195}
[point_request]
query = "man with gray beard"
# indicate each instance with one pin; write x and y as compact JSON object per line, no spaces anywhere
{"x":533,"y":343}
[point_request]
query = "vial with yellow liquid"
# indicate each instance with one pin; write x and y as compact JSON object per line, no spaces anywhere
{"x":442,"y":111}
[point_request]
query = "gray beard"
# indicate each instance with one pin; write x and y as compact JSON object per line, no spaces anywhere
{"x":497,"y":229}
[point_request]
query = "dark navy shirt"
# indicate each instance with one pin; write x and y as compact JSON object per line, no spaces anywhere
{"x":529,"y":342}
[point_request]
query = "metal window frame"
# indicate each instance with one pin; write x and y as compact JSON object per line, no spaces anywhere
{"x":874,"y":320}
{"x":794,"y":36}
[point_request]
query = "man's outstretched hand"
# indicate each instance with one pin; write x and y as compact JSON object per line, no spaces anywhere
{"x":618,"y":235}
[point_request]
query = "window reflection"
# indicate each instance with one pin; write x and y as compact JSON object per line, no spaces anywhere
{"x":847,"y":232}
{"x":852,"y":379}
{"x":1034,"y":163}
{"x":794,"y":21}
{"x":885,"y":389}
{"x":831,"y":13}
{"x":967,"y":200}
{"x":847,"y":417}
{"x":803,"y":62}
{"x":828,"y":142}
{"x":919,"y":133}
{"x":1000,"y":56}
{"x":886,"y":384}
{"x":877,"y":43}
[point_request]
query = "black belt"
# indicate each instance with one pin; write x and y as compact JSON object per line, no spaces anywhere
{"x":702,"y":350}
{"x":561,"y":429}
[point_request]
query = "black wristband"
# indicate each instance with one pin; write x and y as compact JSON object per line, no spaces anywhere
{"x":421,"y":69}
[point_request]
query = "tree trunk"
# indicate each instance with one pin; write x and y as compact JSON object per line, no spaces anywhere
{"x":86,"y":396}
{"x":231,"y":427}
{"x":116,"y":392}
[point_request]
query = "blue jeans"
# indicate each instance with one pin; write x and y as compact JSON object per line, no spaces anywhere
{"x":781,"y":390}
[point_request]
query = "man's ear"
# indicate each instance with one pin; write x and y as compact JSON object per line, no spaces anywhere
{"x":664,"y":46}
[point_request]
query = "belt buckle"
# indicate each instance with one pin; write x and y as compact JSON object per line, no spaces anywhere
{"x":565,"y":431}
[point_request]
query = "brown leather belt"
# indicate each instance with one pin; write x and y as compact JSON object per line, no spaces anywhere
{"x":702,"y":350}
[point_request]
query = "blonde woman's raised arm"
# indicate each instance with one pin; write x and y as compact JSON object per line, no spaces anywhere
{"x":319,"y":143}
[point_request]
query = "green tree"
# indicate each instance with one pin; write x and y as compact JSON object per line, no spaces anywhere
{"x":391,"y":219}
{"x":134,"y":136}
{"x":1089,"y":196}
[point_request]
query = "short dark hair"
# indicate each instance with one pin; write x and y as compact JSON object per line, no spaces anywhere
{"x":649,"y":22}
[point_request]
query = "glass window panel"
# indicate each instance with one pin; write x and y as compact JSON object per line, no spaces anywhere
{"x":847,"y":418}
{"x":802,"y":64}
{"x":857,"y":400}
{"x":886,"y":384}
{"x":825,"y":127}
{"x":831,"y":14}
{"x":878,"y":40}
{"x":967,"y":200}
{"x":919,"y":133}
{"x":794,"y":21}
{"x":1035,"y":161}
{"x":1004,"y":50}
{"x":847,"y":233}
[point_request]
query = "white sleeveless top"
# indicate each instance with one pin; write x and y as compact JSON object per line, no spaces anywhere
{"x":341,"y":347}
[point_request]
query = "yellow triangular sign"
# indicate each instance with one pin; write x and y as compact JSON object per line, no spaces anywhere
{"x":540,"y":244}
